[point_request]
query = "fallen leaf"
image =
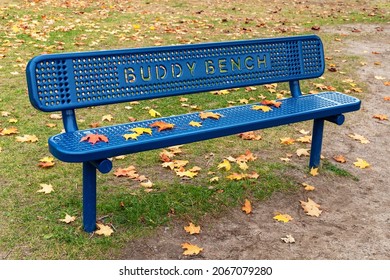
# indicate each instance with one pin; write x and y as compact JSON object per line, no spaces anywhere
{"x":340,"y":158}
{"x":225,"y":164}
{"x":303,"y":152}
{"x":311,"y":208}
{"x":46,"y":188}
{"x":9,"y":131}
{"x":214,"y":179}
{"x":361,"y":163}
{"x":287,"y":141}
{"x":141,"y":130}
{"x":147,"y":184}
{"x":94,"y":138}
{"x":288,"y":239}
{"x":186,"y":173}
{"x":360,"y":138}
{"x":314,"y":171}
{"x":68,"y":219}
{"x":304,"y":139}
{"x":108,"y":118}
{"x":381,"y":117}
{"x":386,"y":98}
{"x":192,"y":229}
{"x":210,"y":115}
{"x":261,"y":108}
{"x":27,"y":138}
{"x":103,"y":230}
{"x":46,"y":162}
{"x":304,"y":132}
{"x":154,"y":113}
{"x":162,"y":125}
{"x":195,"y":124}
{"x":190,"y":249}
{"x":274,"y":103}
{"x":308,"y":187}
{"x":250,"y":135}
{"x":247,"y":207}
{"x":285,"y":218}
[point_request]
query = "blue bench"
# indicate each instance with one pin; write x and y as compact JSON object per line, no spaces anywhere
{"x":65,"y":82}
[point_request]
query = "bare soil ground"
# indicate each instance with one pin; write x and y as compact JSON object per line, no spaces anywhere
{"x":355,"y":223}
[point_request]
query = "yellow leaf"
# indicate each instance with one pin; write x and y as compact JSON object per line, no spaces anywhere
{"x":107,"y":118}
{"x":68,"y":219}
{"x":45,"y":188}
{"x":12,"y":120}
{"x":211,"y":115}
{"x":361,"y":163}
{"x":308,"y":187}
{"x":192,"y":229}
{"x":225,"y":164}
{"x":303,"y":152}
{"x":243,"y":165}
{"x":47,"y":159}
{"x":142,"y":130}
{"x":154,"y":113}
{"x":287,"y":141}
{"x":190,"y":249}
{"x":305,"y":139}
{"x":133,"y":136}
{"x":9,"y":131}
{"x":214,"y":179}
{"x":247,"y":207}
{"x":311,"y":208}
{"x":360,"y":138}
{"x":285,"y":218}
{"x":261,"y":108}
{"x":147,"y":184}
{"x":196,"y":124}
{"x":27,"y":138}
{"x":187,"y":173}
{"x":314,"y":171}
{"x":103,"y":230}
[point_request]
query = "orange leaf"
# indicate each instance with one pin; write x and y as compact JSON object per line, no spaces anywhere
{"x":250,"y":135}
{"x":191,"y":249}
{"x":192,"y":229}
{"x":162,"y":125}
{"x":287,"y":141}
{"x":94,"y":138}
{"x":271,"y":103}
{"x":9,"y":131}
{"x":205,"y":115}
{"x":340,"y":158}
{"x":381,"y":117}
{"x":314,"y":171}
{"x":247,"y":207}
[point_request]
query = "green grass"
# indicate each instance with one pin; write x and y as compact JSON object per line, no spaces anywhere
{"x":29,"y":221}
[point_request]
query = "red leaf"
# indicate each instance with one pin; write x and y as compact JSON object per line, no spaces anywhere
{"x":94,"y":138}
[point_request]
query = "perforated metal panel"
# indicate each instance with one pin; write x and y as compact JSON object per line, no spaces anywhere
{"x":67,"y":146}
{"x":75,"y":80}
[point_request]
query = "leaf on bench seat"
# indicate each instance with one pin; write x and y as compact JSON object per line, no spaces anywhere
{"x":162,"y":125}
{"x":142,"y":130}
{"x":210,"y":115}
{"x":274,"y":103}
{"x":261,"y":108}
{"x":133,"y":136}
{"x":94,"y":138}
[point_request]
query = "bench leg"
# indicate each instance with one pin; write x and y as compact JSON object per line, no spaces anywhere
{"x":316,"y":143}
{"x":89,"y":197}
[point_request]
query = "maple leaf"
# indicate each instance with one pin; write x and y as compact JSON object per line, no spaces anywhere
{"x":27,"y":138}
{"x":103,"y":230}
{"x":304,"y":132}
{"x":195,"y":124}
{"x":340,"y":158}
{"x":142,"y":130}
{"x":46,"y":188}
{"x":314,"y":171}
{"x":192,"y":229}
{"x":184,"y":173}
{"x":225,"y":164}
{"x":133,"y":136}
{"x":308,"y":187}
{"x":147,"y":184}
{"x":248,"y":156}
{"x":108,"y":118}
{"x":154,"y":113}
{"x":210,"y":115}
{"x":288,"y":239}
{"x":247,"y":207}
{"x":190,"y":249}
{"x":9,"y":131}
{"x":381,"y":117}
{"x":287,"y":141}
{"x":243,"y":165}
{"x":250,"y":135}
{"x":46,"y":162}
{"x":303,"y":152}
{"x":360,"y":138}
{"x":274,"y":103}
{"x":162,"y":125}
{"x":94,"y":138}
{"x":68,"y":219}
{"x":386,"y":98}
{"x":361,"y":163}
{"x":214,"y":179}
{"x":285,"y":218}
{"x":311,"y":208}
{"x":261,"y":108}
{"x":127,"y":172}
{"x":305,"y":139}
{"x":55,"y":116}
{"x":236,"y":176}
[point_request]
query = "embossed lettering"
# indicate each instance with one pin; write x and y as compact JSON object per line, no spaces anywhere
{"x":236,"y":64}
{"x":178,"y":67}
{"x":210,"y":68}
{"x":249,"y":66}
{"x":129,"y":75}
{"x":161,"y":74}
{"x":262,"y":61}
{"x":191,"y":67}
{"x":149,"y":77}
{"x":222,"y":65}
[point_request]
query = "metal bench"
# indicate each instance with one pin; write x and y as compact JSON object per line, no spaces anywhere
{"x":65,"y":82}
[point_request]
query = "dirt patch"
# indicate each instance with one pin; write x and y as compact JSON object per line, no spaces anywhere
{"x":355,"y":221}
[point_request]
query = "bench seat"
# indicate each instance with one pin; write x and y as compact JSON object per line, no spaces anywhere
{"x":67,"y":146}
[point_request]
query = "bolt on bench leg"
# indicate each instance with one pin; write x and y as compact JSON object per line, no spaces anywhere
{"x":316,"y":143}
{"x":89,"y":197}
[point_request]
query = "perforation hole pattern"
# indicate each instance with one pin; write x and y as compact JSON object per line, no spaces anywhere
{"x":96,"y":78}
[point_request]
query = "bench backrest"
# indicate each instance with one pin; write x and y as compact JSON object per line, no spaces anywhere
{"x":58,"y":82}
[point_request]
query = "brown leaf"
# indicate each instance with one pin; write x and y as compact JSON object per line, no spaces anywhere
{"x":340,"y":158}
{"x":162,"y":125}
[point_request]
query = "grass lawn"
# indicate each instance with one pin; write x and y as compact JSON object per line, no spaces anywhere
{"x":29,"y":220}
